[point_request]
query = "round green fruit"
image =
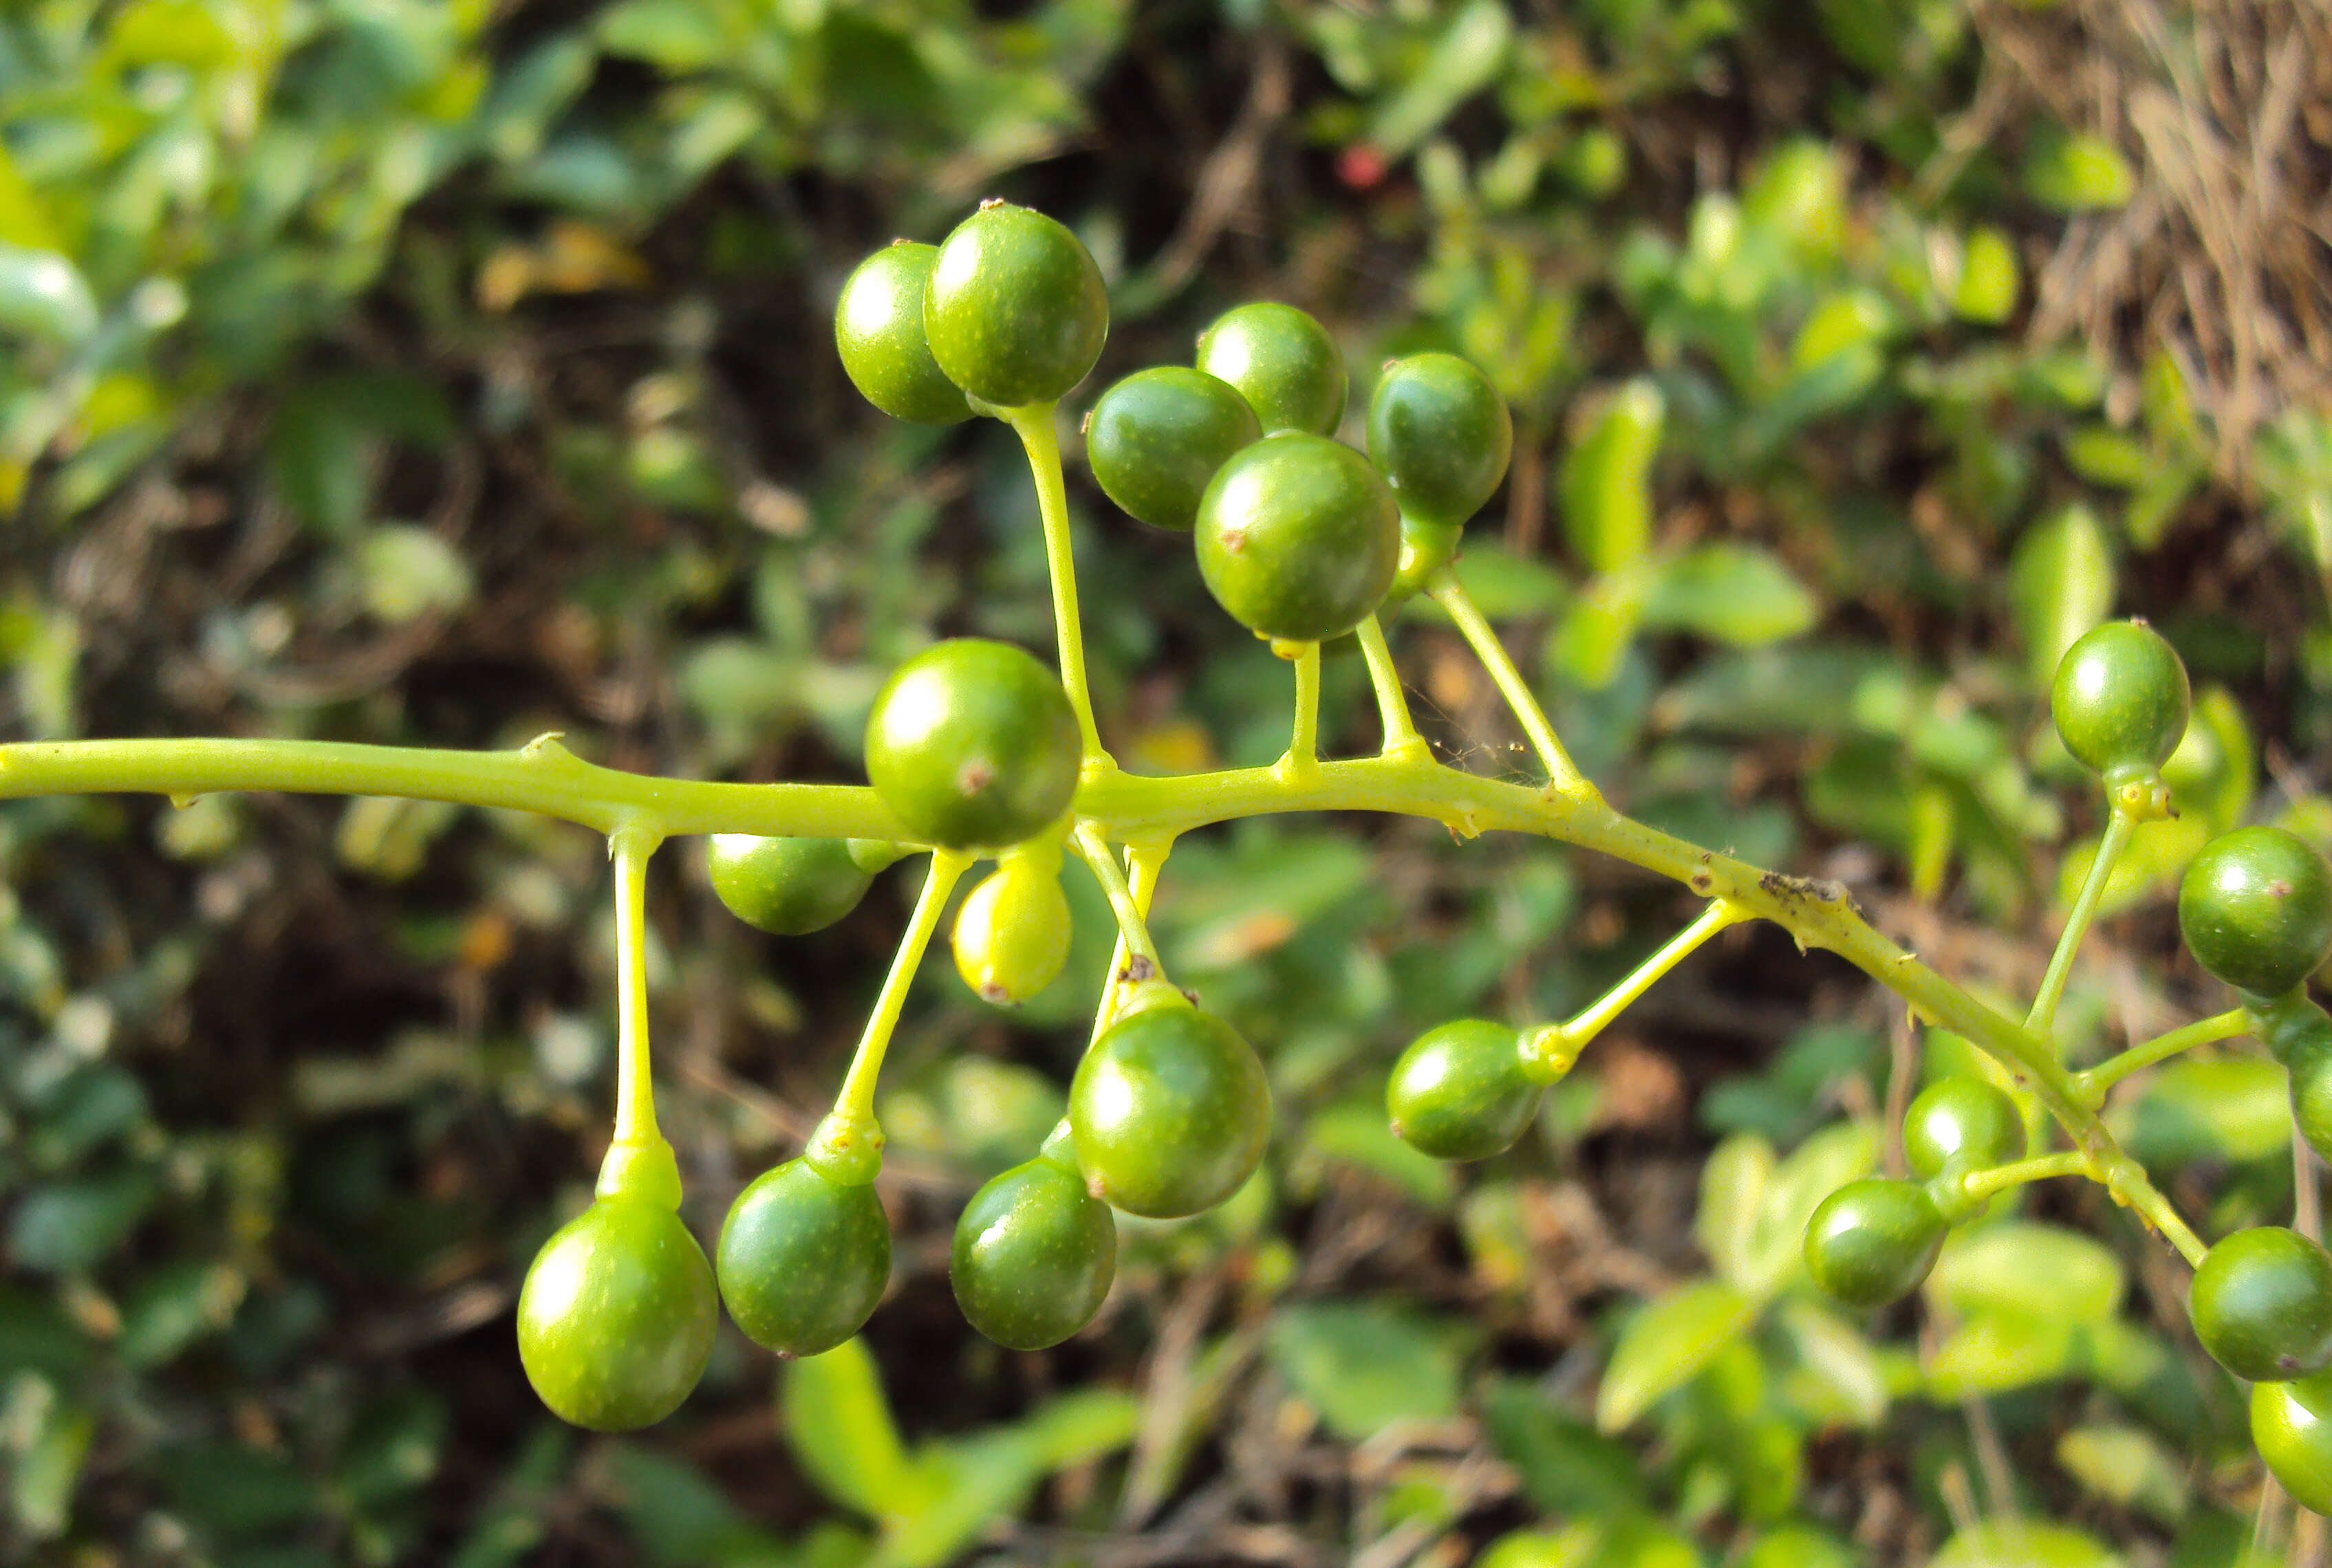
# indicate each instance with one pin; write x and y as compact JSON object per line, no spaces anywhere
{"x":1459,"y":1091}
{"x":878,"y":326}
{"x":1016,"y":309}
{"x":2262,"y":1303}
{"x":2291,"y":1427}
{"x":1157,"y":436}
{"x":972,"y":744}
{"x":1034,"y":1256}
{"x":2255,"y":908}
{"x":787,"y":887}
{"x":803,"y":1258}
{"x":1012,"y":932}
{"x":1283,"y":362}
{"x":617,"y":1318}
{"x":1298,"y":537}
{"x":2120,"y":699}
{"x":1169,"y":1111}
{"x":1960,"y":1124}
{"x":1873,"y":1241}
{"x":1442,"y":436}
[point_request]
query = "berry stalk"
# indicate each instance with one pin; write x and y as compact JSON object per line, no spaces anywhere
{"x":1401,"y":741}
{"x":2042,"y":1018}
{"x":1034,"y":426}
{"x":1451,"y":596}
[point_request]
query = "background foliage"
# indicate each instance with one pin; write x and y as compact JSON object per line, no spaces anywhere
{"x":445,"y":373}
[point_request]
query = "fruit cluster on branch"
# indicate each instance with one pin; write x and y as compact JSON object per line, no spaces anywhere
{"x":976,"y":751}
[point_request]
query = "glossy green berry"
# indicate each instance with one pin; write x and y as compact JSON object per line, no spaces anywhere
{"x":787,"y":887}
{"x":803,"y":1258}
{"x":1459,"y":1091}
{"x":617,"y":1318}
{"x":2262,"y":1303}
{"x":1960,"y":1124}
{"x":878,"y":326}
{"x":1298,"y":537}
{"x":1157,"y":436}
{"x":1012,"y":931}
{"x":1441,"y":434}
{"x":2120,"y":699}
{"x":2291,"y":1427}
{"x":972,"y":744}
{"x":1034,"y":1256}
{"x":1169,"y":1110}
{"x":1283,"y":362}
{"x":1016,"y":309}
{"x":2300,"y":1035}
{"x":2255,"y":908}
{"x":1873,"y":1241}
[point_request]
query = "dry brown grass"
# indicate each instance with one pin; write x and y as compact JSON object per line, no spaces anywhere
{"x":2224,"y":257}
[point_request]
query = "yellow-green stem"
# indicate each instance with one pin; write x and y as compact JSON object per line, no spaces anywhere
{"x":1132,"y":931}
{"x":1451,"y":596}
{"x":1144,"y":863}
{"x":1304,"y":744}
{"x":2042,"y":1018}
{"x":853,"y":1107}
{"x":1125,"y":809}
{"x":1034,"y":426}
{"x":636,"y":1119}
{"x":1978,"y":1185}
{"x":1401,"y":737}
{"x":2098,"y":1081}
{"x":1559,"y":1045}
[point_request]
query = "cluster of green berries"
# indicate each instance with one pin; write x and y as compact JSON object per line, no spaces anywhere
{"x":1298,"y":536}
{"x":2255,"y":912}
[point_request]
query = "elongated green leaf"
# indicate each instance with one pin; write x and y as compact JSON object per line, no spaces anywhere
{"x":1665,"y":1345}
{"x":2061,"y":580}
{"x":2023,"y":1266}
{"x":1364,"y":1365}
{"x":1735,"y":594}
{"x":1606,"y":481}
{"x":2024,"y":1544}
{"x":840,"y":1427}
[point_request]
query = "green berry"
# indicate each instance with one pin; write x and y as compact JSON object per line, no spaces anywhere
{"x":972,"y":744}
{"x":1157,"y":436}
{"x":1016,"y":309}
{"x":2121,"y":700}
{"x":1012,"y":931}
{"x":1283,"y":362}
{"x":617,"y":1318}
{"x":2262,"y":1303}
{"x":1441,"y":434}
{"x":1960,"y":1124}
{"x":2291,"y":1427}
{"x":878,"y":326}
{"x":803,"y":1258}
{"x":1034,"y":1256}
{"x":1873,"y":1241}
{"x":787,"y":887}
{"x":1298,"y":537}
{"x":1171,"y":1111}
{"x":2255,"y":908}
{"x":1459,"y":1091}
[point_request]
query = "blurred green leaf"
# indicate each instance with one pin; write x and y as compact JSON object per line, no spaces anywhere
{"x":840,"y":1428}
{"x":1365,"y":1365}
{"x":2023,"y":1544}
{"x":2061,"y":581}
{"x":2040,"y":1270}
{"x":1663,"y":1344}
{"x":2077,"y":173}
{"x":1730,"y":593}
{"x":1606,"y":480}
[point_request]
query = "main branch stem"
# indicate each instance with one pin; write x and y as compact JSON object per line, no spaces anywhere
{"x":1124,"y":809}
